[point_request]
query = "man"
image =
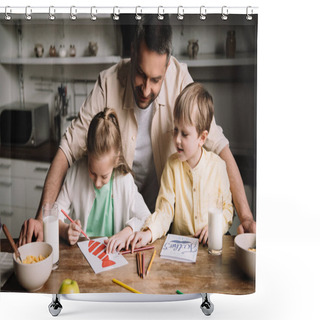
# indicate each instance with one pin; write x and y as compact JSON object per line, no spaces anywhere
{"x":142,"y":90}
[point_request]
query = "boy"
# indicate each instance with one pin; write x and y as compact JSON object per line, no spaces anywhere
{"x":193,"y":179}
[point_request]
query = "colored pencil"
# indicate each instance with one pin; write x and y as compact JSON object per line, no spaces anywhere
{"x":142,"y":273}
{"x":138,"y":264}
{"x":67,"y":216}
{"x":137,"y":249}
{"x":125,"y":286}
{"x":151,"y":260}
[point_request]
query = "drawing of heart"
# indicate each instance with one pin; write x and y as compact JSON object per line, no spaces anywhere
{"x":97,"y":249}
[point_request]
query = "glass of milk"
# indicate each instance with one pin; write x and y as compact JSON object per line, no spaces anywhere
{"x":50,"y":216}
{"x":215,"y":232}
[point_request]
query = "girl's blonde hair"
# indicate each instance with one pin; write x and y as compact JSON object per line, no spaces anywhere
{"x":194,"y":106}
{"x":104,"y":136}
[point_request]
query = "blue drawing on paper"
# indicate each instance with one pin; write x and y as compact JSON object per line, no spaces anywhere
{"x":181,"y":247}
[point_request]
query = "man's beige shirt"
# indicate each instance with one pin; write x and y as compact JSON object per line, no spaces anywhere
{"x":113,"y":89}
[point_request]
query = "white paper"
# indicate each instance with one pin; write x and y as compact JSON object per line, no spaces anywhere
{"x":180,"y":248}
{"x":94,"y":252}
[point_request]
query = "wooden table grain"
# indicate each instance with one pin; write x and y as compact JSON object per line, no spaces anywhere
{"x":212,"y":274}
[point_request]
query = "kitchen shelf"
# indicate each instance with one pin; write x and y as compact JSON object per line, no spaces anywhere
{"x":60,"y":61}
{"x":203,"y":60}
{"x":218,"y":60}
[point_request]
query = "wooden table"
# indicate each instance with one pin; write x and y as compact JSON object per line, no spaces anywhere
{"x":211,"y":274}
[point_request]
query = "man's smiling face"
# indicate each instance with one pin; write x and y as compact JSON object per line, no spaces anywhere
{"x":148,"y":72}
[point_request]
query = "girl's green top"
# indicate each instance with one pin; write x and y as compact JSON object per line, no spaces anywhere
{"x":100,"y":221}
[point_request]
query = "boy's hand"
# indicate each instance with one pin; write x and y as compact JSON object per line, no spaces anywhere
{"x":118,"y":241}
{"x":202,"y":234}
{"x":139,"y":239}
{"x":73,"y":232}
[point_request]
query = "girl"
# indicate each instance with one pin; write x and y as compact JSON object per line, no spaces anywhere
{"x":99,"y":190}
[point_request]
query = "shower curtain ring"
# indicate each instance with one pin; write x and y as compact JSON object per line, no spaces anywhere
{"x":160,"y":14}
{"x":116,"y":13}
{"x":203,"y":13}
{"x":6,"y":13}
{"x":180,"y":13}
{"x":138,"y":16}
{"x":93,"y":15}
{"x":28,"y":13}
{"x":249,"y":15}
{"x":52,"y":11}
{"x":73,"y":13}
{"x":224,"y":13}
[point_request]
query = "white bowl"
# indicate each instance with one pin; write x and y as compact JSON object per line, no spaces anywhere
{"x":246,"y":259}
{"x":33,"y":276}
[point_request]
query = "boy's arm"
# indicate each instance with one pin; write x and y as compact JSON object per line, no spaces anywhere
{"x":238,"y":193}
{"x":33,"y":227}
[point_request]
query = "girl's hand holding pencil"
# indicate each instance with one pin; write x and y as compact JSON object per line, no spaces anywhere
{"x":74,"y":231}
{"x":71,"y":232}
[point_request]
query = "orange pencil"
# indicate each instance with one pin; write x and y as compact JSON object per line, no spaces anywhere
{"x":142,"y":265}
{"x":67,"y":216}
{"x":151,"y":260}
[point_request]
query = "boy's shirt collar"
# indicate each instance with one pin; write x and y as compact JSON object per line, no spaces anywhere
{"x":200,"y":163}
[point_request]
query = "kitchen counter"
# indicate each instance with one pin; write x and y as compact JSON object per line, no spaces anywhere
{"x":43,"y":153}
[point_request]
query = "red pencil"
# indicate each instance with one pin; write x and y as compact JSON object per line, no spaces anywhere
{"x":137,"y":249}
{"x":67,"y":216}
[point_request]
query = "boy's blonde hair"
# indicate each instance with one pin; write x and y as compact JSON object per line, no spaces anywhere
{"x":104,"y":136}
{"x":194,"y":106}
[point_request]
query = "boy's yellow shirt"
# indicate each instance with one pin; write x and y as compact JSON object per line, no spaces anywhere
{"x":186,"y":195}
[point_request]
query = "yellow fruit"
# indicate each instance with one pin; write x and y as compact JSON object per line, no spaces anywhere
{"x":69,"y":286}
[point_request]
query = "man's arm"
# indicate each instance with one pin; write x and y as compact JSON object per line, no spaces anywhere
{"x":32,"y":228}
{"x":238,"y":194}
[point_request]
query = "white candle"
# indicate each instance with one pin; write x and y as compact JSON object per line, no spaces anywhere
{"x":215,"y":233}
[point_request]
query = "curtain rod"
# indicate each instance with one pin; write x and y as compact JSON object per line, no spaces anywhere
{"x":93,"y":12}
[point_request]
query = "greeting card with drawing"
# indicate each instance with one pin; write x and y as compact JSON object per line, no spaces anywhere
{"x":180,"y":248}
{"x":94,"y":252}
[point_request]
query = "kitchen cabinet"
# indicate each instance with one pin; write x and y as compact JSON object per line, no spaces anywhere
{"x":21,"y":184}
